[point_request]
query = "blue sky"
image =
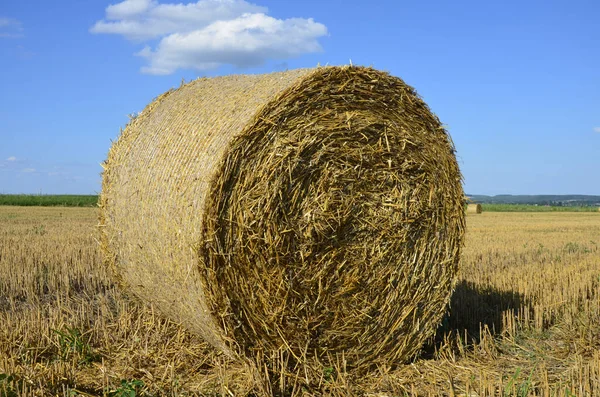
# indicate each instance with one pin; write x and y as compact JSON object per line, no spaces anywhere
{"x":516,"y":82}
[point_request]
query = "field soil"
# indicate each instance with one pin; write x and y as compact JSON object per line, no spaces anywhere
{"x":524,"y":319}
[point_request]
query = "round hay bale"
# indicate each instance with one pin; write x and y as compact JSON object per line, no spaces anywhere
{"x":314,"y":211}
{"x":474,"y":209}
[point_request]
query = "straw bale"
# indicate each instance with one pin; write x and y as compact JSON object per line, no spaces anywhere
{"x":313,"y":212}
{"x":474,"y":209}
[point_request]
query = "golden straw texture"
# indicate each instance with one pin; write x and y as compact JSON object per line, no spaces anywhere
{"x":474,"y":209}
{"x":312,"y":212}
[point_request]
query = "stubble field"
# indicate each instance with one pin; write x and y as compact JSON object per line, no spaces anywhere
{"x":524,"y":319}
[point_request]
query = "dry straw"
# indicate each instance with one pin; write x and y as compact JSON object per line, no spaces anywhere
{"x":303,"y":214}
{"x":474,"y":209}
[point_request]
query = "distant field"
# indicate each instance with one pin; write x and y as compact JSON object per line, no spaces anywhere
{"x":534,"y":208}
{"x":71,"y":200}
{"x":62,"y":200}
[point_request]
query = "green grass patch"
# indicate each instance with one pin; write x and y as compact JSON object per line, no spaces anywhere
{"x":534,"y":208}
{"x":47,"y":200}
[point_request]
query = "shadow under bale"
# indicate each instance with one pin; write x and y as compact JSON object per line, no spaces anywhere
{"x":474,"y":308}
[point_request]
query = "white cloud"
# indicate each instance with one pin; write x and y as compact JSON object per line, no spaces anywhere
{"x":209,"y":33}
{"x":245,"y":41}
{"x":10,"y":28}
{"x":11,"y":158}
{"x":597,"y":129}
{"x":28,"y":170}
{"x":128,"y":8}
{"x":147,"y":19}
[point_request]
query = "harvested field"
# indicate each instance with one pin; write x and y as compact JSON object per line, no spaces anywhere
{"x":525,"y":318}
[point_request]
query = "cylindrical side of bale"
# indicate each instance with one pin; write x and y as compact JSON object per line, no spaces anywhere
{"x":315,"y":211}
{"x":474,"y":209}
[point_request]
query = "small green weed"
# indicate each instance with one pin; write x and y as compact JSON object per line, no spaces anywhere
{"x":8,"y":387}
{"x":526,"y":385}
{"x":569,"y":393}
{"x":328,"y":374}
{"x":573,"y":248}
{"x":39,"y":230}
{"x":71,"y":342}
{"x":128,"y":388}
{"x":522,"y":389}
{"x":511,"y":382}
